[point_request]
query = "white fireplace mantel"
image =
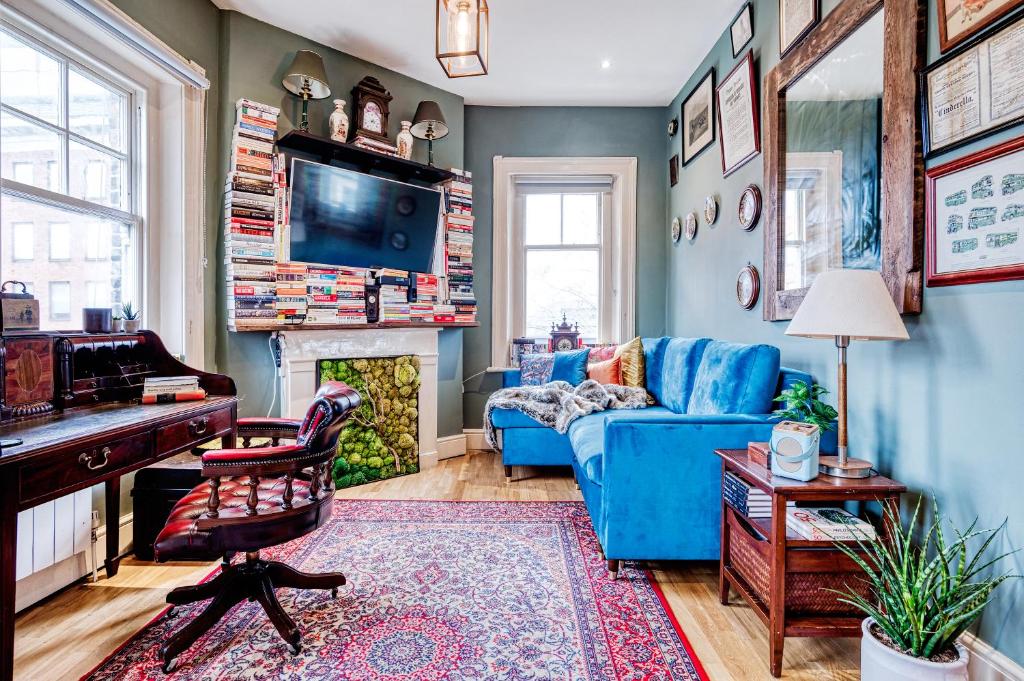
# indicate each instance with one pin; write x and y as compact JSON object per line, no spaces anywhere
{"x":300,"y":350}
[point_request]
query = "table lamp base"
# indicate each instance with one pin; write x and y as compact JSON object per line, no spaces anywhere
{"x":851,"y":468}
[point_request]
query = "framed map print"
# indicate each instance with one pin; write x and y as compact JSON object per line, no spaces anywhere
{"x":699,"y":118}
{"x":960,"y":19}
{"x":974,"y":217}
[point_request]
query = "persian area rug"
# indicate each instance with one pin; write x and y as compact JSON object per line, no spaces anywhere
{"x":440,"y":590}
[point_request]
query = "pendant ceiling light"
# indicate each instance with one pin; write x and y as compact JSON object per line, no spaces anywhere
{"x":462,"y":31}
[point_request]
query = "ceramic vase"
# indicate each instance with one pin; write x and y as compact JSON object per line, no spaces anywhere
{"x":404,"y":141}
{"x":338,"y":122}
{"x":878,"y":662}
{"x":132,"y":325}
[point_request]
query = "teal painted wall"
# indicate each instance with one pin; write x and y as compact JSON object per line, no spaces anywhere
{"x":940,"y":412}
{"x":563,"y":131}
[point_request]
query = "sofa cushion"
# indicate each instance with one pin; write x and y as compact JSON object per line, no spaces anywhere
{"x":631,"y":355}
{"x":735,"y":379}
{"x":654,"y":353}
{"x":680,"y":363}
{"x":536,"y":369}
{"x":608,"y":372}
{"x":570,"y":366}
{"x":586,"y":435}
{"x":513,"y":418}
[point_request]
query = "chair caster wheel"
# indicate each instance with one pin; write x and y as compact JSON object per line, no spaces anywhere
{"x":294,"y":648}
{"x":168,"y":666}
{"x":334,"y":593}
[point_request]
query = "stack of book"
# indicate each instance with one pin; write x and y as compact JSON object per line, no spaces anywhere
{"x":321,"y":294}
{"x":351,"y":294}
{"x":253,"y":205}
{"x":458,"y":240}
{"x":444,"y":313}
{"x":394,"y":295}
{"x":291,"y":304}
{"x":374,"y":144}
{"x":422,"y":297}
{"x":828,"y":524}
{"x":161,"y":389}
{"x":747,"y":499}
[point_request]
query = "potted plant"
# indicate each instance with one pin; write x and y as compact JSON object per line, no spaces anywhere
{"x":132,"y":317}
{"x":925,"y":596}
{"x":116,"y":323}
{"x":802,"y":404}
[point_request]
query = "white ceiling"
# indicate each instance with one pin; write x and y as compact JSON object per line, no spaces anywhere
{"x":543,"y":52}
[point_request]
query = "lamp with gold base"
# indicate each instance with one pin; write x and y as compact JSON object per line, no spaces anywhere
{"x":847,"y":305}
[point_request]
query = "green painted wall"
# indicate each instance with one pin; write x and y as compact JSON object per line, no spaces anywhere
{"x":563,"y":131}
{"x":938,"y":412}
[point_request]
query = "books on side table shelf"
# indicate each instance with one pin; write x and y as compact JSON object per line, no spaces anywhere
{"x":255,"y":204}
{"x":162,"y":389}
{"x":747,"y":499}
{"x":828,"y":524}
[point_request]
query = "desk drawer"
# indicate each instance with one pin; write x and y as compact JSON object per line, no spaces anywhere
{"x":195,"y":431}
{"x":61,"y":471}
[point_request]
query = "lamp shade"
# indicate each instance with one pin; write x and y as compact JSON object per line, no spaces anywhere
{"x":854,"y":303}
{"x":429,"y":123}
{"x":307,"y":67}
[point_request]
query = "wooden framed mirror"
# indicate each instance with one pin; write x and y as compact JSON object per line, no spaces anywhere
{"x":843,"y":168}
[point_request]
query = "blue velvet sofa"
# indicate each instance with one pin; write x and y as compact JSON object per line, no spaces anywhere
{"x":649,"y":477}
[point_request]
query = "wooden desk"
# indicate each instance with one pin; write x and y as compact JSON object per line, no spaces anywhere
{"x":63,"y":453}
{"x":763,"y":555}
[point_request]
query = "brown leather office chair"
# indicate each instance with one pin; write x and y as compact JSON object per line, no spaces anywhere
{"x":255,"y":498}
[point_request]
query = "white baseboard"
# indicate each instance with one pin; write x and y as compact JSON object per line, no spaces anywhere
{"x":987,"y":663}
{"x":451,"y":446}
{"x":475,"y":439}
{"x":39,"y":585}
{"x":428,"y":460}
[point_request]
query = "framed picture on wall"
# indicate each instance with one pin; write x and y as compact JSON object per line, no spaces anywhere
{"x":698,"y":119}
{"x":974,"y":217}
{"x":976,"y":90}
{"x":738,"y":117}
{"x":960,"y":19}
{"x":673,"y":170}
{"x":796,"y":18}
{"x":741,"y":31}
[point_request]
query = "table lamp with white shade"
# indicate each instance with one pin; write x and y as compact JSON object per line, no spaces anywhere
{"x":847,"y":305}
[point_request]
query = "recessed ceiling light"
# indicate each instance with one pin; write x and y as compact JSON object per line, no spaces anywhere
{"x":606,"y":63}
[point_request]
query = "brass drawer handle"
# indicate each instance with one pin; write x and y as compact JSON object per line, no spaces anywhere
{"x":198,"y":426}
{"x":89,"y":459}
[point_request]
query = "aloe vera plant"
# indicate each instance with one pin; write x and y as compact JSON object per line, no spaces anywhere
{"x":927,"y":593}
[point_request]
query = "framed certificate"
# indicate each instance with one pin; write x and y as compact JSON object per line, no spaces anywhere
{"x":960,"y":19}
{"x":796,"y":18}
{"x":974,"y":217}
{"x":738,"y":116}
{"x":976,"y":90}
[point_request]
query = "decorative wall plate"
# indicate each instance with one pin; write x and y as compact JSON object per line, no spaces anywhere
{"x":691,"y":226}
{"x":748,"y":287}
{"x":710,"y":210}
{"x":749,"y":211}
{"x":673,"y":127}
{"x":677,"y":230}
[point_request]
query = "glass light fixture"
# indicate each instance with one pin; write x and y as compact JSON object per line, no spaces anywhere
{"x":462,"y":32}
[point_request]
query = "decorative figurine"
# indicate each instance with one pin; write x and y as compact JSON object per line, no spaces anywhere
{"x":405,"y":140}
{"x":339,"y":122}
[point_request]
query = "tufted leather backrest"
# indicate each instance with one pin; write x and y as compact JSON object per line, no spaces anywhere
{"x":326,"y":418}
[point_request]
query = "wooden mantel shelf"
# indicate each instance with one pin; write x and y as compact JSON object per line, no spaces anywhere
{"x":351,"y":327}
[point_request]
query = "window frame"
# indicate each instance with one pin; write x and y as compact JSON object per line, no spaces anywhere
{"x":63,"y":317}
{"x":14,"y":241}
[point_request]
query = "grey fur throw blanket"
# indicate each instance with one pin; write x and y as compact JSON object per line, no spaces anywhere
{"x":557,"y":404}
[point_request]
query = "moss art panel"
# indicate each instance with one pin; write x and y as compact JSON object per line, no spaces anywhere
{"x":382,"y":438}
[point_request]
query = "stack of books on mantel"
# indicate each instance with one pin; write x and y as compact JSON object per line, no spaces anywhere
{"x":394,"y":295}
{"x":422,"y":297}
{"x":351,"y":292}
{"x":321,"y":294}
{"x":828,"y":524}
{"x":291,"y":293}
{"x":747,"y":499}
{"x":253,"y":206}
{"x":161,"y":389}
{"x":374,"y":144}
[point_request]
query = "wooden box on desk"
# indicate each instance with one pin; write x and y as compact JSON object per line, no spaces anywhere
{"x":26,"y":362}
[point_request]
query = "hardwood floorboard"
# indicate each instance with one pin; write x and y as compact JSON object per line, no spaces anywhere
{"x":66,"y":635}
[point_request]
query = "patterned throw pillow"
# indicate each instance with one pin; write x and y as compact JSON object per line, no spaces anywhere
{"x":631,"y":355}
{"x":602,"y":354}
{"x":536,"y":369}
{"x":606,"y":373}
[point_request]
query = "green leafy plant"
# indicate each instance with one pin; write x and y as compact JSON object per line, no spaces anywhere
{"x":128,"y":311}
{"x":802,"y":404}
{"x":929,"y":593}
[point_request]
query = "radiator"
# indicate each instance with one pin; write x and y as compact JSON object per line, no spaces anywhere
{"x":48,"y":535}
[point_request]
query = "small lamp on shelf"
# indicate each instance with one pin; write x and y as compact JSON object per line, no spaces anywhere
{"x":845,"y":305}
{"x":429,"y":124}
{"x":307,"y":78}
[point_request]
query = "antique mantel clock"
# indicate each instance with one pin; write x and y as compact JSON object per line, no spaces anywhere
{"x":565,"y":336}
{"x":371,"y":109}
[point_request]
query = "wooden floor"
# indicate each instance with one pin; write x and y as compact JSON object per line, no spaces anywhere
{"x":66,"y":635}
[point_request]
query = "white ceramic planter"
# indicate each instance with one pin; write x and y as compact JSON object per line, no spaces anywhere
{"x":878,"y":662}
{"x":132,"y":325}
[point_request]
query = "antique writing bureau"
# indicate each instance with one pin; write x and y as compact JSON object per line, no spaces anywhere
{"x":73,"y":400}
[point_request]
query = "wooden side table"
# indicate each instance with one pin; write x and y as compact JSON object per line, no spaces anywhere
{"x":784,"y":577}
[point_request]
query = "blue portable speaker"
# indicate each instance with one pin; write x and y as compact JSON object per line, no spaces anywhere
{"x":794,"y":448}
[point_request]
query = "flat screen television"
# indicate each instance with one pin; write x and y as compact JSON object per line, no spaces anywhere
{"x":343,"y":217}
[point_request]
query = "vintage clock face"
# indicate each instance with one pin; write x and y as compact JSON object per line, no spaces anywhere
{"x":564,"y":344}
{"x":750,"y":207}
{"x":748,"y":287}
{"x":372,"y":119}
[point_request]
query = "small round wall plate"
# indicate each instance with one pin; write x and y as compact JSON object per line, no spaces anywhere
{"x":677,"y":230}
{"x":748,"y":287}
{"x":749,"y":210}
{"x":691,"y":226}
{"x":710,"y":210}
{"x":673,"y":127}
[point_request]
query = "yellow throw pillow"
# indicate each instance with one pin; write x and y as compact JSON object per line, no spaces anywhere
{"x":631,"y":359}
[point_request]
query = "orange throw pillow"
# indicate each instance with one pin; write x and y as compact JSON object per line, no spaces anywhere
{"x":606,"y":373}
